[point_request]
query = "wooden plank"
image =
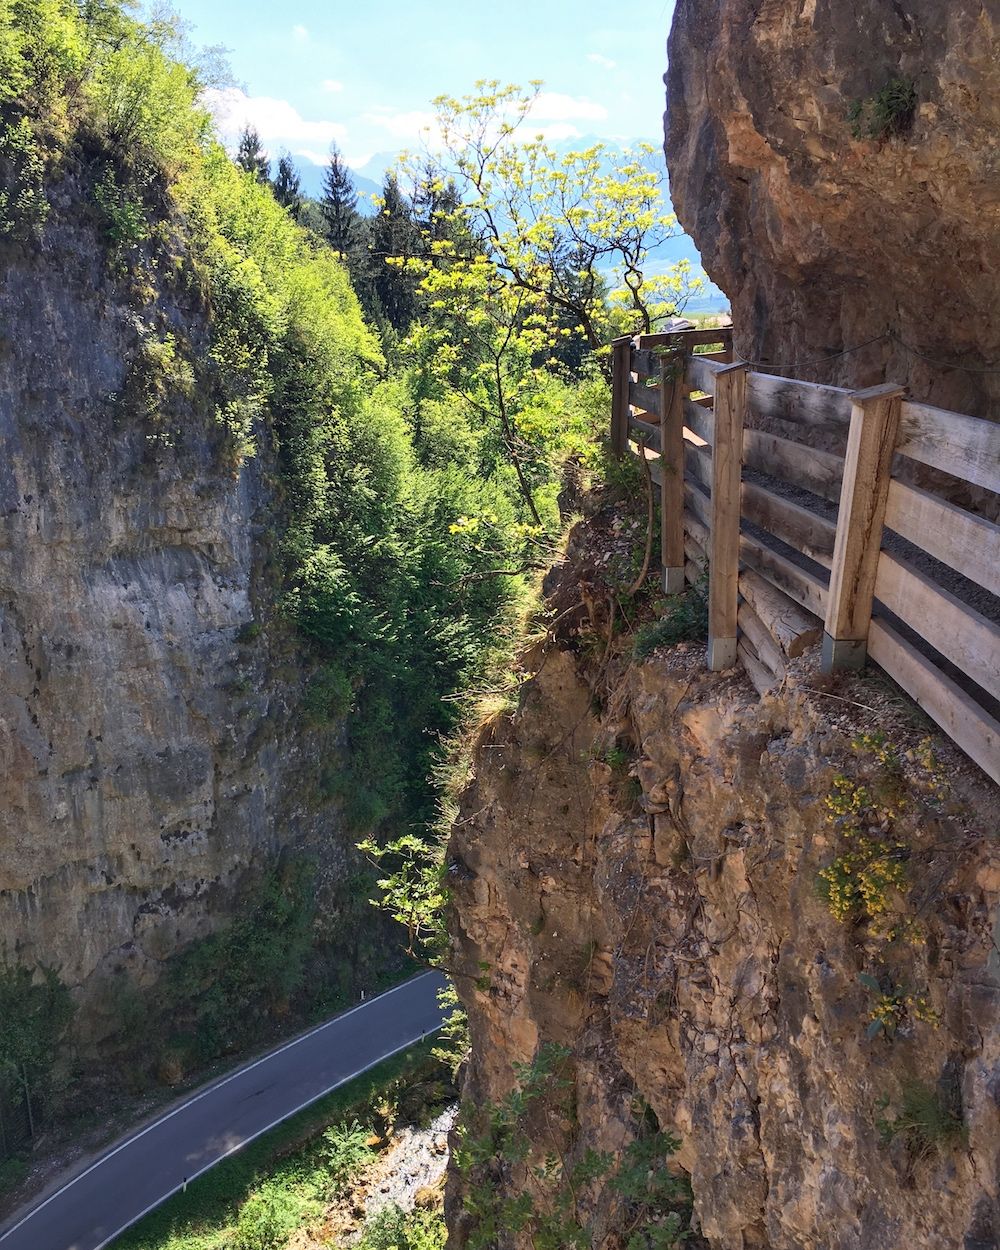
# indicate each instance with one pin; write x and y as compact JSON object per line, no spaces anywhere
{"x":724,"y":547}
{"x":620,"y":376}
{"x":797,"y":583}
{"x":967,"y":543}
{"x":695,"y":528}
{"x":694,"y":551}
{"x":721,"y":358}
{"x":966,"y":447}
{"x":870,"y":446}
{"x":698,"y":463}
{"x":959,"y":632}
{"x":792,"y":629}
{"x":700,"y":421}
{"x":645,"y":364}
{"x":647,"y":398}
{"x":649,"y":433}
{"x":968,"y":725}
{"x":802,"y":403}
{"x":702,"y":374}
{"x":821,"y":472}
{"x":686,"y":338}
{"x":763,"y":643}
{"x":672,"y":481}
{"x":761,"y":676}
{"x":700,"y":505}
{"x":801,"y":528}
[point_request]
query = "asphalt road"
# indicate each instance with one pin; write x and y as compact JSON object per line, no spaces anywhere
{"x":92,"y":1208}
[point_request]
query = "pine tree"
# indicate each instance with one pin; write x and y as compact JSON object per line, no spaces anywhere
{"x":287,"y":184}
{"x":340,"y":205}
{"x":393,"y":235}
{"x":251,"y":155}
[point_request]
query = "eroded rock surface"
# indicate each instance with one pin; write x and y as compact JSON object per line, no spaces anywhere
{"x":823,"y":240}
{"x":151,"y":746}
{"x":660,"y":917}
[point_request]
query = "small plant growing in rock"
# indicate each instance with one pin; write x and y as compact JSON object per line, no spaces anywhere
{"x":893,"y":1006}
{"x":888,"y":112}
{"x":924,"y":1121}
{"x":686,"y":620}
{"x":871,"y":871}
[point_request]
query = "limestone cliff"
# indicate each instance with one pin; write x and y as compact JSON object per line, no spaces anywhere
{"x":636,"y":877}
{"x":151,"y":742}
{"x":828,"y":225}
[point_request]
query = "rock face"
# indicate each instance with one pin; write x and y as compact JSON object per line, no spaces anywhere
{"x":635,"y":874}
{"x":823,"y":240}
{"x":150,"y":743}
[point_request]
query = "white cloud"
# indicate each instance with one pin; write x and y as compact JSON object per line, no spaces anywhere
{"x":300,"y":34}
{"x":332,"y":84}
{"x":411,"y":125}
{"x":276,"y":121}
{"x":552,"y":132}
{"x":604,"y":61}
{"x":553,"y":106}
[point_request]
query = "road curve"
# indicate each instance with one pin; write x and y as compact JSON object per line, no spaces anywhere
{"x":94,"y":1207}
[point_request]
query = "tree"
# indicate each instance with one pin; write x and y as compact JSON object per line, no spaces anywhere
{"x":530,"y":206}
{"x":393,"y":237}
{"x":287,"y":184}
{"x":251,"y":155}
{"x":340,"y":205}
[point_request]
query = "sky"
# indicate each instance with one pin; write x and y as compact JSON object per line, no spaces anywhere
{"x":362,"y":73}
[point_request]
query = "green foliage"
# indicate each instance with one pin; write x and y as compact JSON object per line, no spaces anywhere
{"x":923,"y":1119}
{"x":125,"y":218}
{"x":890,"y":111}
{"x":520,"y":1175}
{"x":395,"y":1229}
{"x":684,"y":620}
{"x":35,"y":1012}
{"x":23,"y":206}
{"x":267,"y":1219}
{"x":346,"y":1152}
{"x":894,"y":1005}
{"x":215,"y":988}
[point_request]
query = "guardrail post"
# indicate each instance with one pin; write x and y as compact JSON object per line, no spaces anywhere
{"x":724,"y":554}
{"x":621,"y":373}
{"x":672,"y":472}
{"x":867,"y":468}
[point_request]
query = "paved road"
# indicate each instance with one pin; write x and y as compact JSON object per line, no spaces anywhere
{"x":93,"y":1208}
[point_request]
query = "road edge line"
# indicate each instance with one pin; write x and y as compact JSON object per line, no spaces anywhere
{"x":214,"y":1085}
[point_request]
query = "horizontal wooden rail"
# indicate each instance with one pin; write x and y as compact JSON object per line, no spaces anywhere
{"x":775,"y":421}
{"x":965,"y":447}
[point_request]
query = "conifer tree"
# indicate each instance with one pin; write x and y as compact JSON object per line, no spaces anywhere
{"x":287,"y":185}
{"x":394,"y":237}
{"x":251,"y":155}
{"x":340,"y":205}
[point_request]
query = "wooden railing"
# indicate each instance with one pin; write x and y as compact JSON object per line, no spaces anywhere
{"x":747,"y":466}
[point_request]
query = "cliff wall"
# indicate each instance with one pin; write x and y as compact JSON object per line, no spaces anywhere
{"x":152,"y":746}
{"x":823,"y":233}
{"x":636,"y":874}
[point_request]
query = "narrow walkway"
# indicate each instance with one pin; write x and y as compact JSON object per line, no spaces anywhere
{"x":91,"y":1209}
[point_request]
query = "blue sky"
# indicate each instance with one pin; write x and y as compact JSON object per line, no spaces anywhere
{"x":363,"y":72}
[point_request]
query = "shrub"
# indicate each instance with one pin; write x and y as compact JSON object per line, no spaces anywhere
{"x":685,"y":620}
{"x":924,"y":1121}
{"x":267,"y":1219}
{"x":890,"y":111}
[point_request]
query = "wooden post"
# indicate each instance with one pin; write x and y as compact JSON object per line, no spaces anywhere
{"x":867,"y":466}
{"x":672,"y":472}
{"x":621,"y":373}
{"x":724,"y":554}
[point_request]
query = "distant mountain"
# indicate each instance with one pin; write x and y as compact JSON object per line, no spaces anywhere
{"x":311,"y":175}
